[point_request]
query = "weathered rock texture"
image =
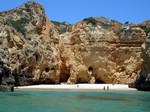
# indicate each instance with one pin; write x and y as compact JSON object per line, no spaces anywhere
{"x":143,"y":79}
{"x":62,"y":27}
{"x":29,"y":45}
{"x":95,"y":50}
{"x":105,"y":52}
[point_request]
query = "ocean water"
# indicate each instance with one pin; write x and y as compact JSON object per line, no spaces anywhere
{"x":75,"y":101}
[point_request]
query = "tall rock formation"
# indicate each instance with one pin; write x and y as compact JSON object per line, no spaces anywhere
{"x":28,"y":46}
{"x":34,"y":50}
{"x":143,"y":79}
{"x":100,"y":50}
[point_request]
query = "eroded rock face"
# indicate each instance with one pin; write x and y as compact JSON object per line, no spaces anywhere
{"x":102,"y":55}
{"x":143,"y":79}
{"x":6,"y":79}
{"x":95,"y":50}
{"x":28,"y":45}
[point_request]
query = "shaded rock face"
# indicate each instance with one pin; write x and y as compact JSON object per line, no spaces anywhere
{"x":6,"y":79}
{"x":33,"y":50}
{"x":143,"y":80}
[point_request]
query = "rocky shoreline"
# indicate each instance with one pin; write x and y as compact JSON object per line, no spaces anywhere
{"x":34,"y":50}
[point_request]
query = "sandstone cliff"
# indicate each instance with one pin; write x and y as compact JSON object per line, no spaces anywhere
{"x":34,"y":50}
{"x":29,"y":46}
{"x":100,"y":50}
{"x":143,"y":79}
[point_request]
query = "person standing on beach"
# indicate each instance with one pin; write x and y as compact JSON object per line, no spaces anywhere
{"x":104,"y":88}
{"x":107,"y":88}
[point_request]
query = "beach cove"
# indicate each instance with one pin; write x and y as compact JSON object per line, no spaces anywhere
{"x":94,"y":50}
{"x":107,"y":87}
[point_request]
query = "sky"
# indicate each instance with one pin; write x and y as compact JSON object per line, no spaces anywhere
{"x":73,"y":11}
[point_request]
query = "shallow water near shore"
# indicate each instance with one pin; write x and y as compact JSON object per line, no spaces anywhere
{"x":75,"y":101}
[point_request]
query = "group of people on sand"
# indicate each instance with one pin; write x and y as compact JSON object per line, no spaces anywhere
{"x":106,"y":88}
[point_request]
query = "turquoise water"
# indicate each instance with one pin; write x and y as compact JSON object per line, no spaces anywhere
{"x":75,"y":101}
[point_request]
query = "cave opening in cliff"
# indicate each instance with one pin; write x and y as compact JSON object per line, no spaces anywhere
{"x":90,"y":69}
{"x":44,"y":81}
{"x":47,"y":69}
{"x":99,"y":81}
{"x":36,"y":57}
{"x":82,"y":80}
{"x":64,"y":77}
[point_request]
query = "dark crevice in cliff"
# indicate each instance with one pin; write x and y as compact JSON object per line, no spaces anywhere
{"x":99,"y":81}
{"x":64,"y":77}
{"x":90,"y":69}
{"x":81,"y":80}
{"x":6,"y":78}
{"x":43,"y":81}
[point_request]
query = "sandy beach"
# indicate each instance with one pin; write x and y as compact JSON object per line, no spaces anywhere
{"x":104,"y":87}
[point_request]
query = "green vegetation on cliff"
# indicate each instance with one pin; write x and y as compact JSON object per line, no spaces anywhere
{"x":91,"y":20}
{"x":56,"y":22}
{"x":146,"y":29}
{"x":62,"y":27}
{"x":18,"y":24}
